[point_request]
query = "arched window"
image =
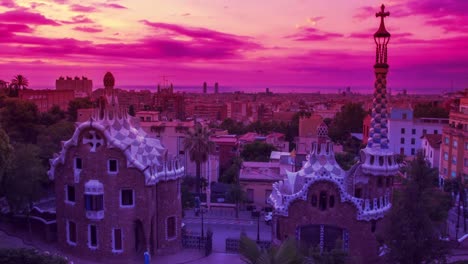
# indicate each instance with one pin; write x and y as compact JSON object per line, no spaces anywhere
{"x":331,"y":201}
{"x":323,"y":201}
{"x":313,"y":200}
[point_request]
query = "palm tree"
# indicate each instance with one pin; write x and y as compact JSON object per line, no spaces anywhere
{"x":18,"y":81}
{"x":286,"y":253}
{"x":197,"y":143}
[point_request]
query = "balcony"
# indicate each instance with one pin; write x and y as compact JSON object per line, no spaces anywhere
{"x":94,"y":200}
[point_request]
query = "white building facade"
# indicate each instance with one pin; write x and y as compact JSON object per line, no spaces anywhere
{"x":405,"y":131}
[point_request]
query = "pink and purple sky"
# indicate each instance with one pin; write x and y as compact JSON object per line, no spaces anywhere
{"x":239,"y":43}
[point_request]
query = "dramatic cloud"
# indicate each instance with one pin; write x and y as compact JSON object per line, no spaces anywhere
{"x":88,"y":29}
{"x":80,"y":19}
{"x":26,"y":17}
{"x":204,"y":44}
{"x":313,"y":34}
{"x":8,"y":30}
{"x":8,"y":3}
{"x":205,"y":36}
{"x":113,"y":5}
{"x":81,"y":8}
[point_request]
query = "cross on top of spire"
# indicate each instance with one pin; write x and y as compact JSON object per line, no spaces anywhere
{"x":382,"y":32}
{"x":382,"y":12}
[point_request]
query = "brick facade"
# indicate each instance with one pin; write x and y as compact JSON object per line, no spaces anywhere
{"x":362,"y":244}
{"x":152,"y":205}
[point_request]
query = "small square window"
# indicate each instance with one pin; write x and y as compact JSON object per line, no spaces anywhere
{"x":402,"y":140}
{"x":436,"y":132}
{"x":424,"y":131}
{"x":127,"y":198}
{"x":78,"y":164}
{"x":70,"y":193}
{"x":112,"y":166}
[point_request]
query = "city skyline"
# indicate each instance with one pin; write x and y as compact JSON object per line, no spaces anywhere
{"x":238,"y":44}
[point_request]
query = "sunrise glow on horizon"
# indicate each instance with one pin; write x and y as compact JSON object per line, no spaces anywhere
{"x":236,"y":43}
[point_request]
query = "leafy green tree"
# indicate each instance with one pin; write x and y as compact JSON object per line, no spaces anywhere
{"x":22,"y":184}
{"x":345,"y":160}
{"x":6,"y":152}
{"x":236,"y":195}
{"x":231,"y":175}
{"x":199,"y":146}
{"x":22,"y":120}
{"x":28,"y":256}
{"x":18,"y":82}
{"x":50,"y":138}
{"x":257,"y":151}
{"x":419,"y":210}
{"x":430,"y":109}
{"x":286,"y":253}
{"x":54,"y":115}
{"x":78,"y":103}
{"x":233,"y":127}
{"x":348,"y":120}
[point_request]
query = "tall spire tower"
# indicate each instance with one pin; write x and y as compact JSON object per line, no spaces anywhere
{"x":377,"y":158}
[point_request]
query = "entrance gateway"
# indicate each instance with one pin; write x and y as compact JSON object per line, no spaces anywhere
{"x":323,"y":237}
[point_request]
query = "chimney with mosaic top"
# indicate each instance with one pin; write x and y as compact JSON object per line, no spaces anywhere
{"x":377,"y":158}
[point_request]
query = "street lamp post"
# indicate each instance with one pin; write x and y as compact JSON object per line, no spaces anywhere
{"x":202,"y":212}
{"x":257,"y":214}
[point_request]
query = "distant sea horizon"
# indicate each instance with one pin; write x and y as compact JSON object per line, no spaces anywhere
{"x":280,"y":89}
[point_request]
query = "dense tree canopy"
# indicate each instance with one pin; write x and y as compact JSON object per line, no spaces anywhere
{"x":6,"y":151}
{"x":257,"y":151}
{"x":21,"y":118}
{"x":76,"y":104}
{"x":348,"y":120}
{"x":413,"y":233}
{"x":231,"y":175}
{"x":22,"y":184}
{"x":430,"y":109}
{"x":28,"y":256}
